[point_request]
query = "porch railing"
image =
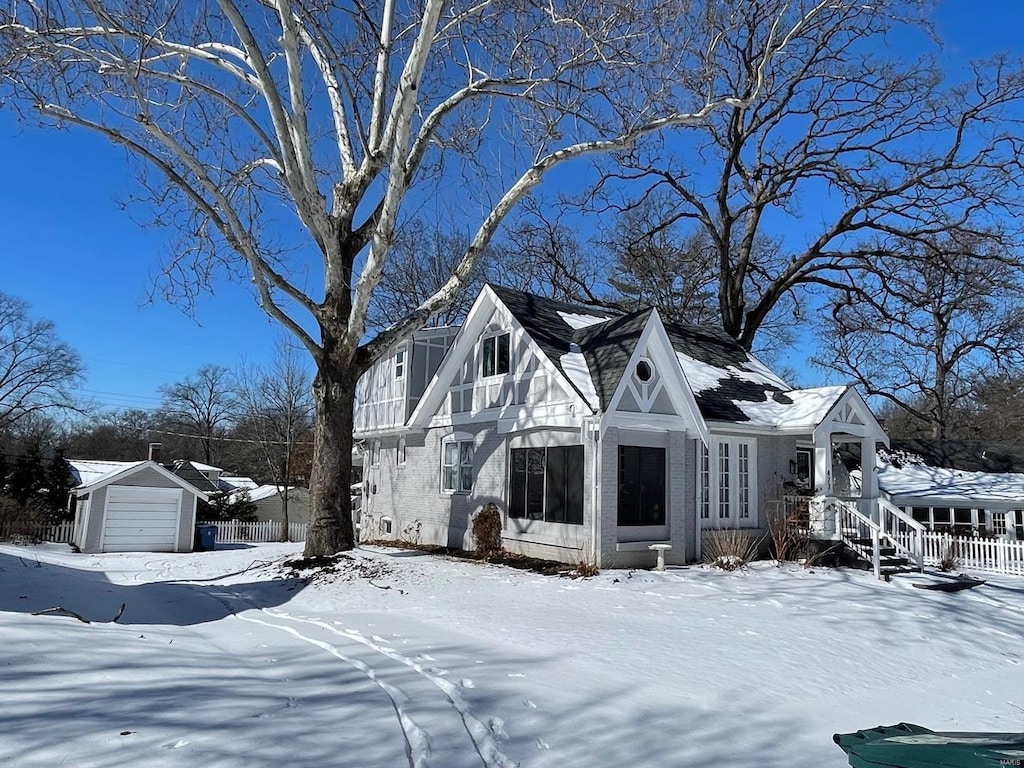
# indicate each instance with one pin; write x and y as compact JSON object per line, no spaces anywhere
{"x":854,"y":528}
{"x":905,"y":533}
{"x":866,"y":525}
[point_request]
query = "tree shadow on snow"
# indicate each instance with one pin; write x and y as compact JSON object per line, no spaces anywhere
{"x":31,"y":586}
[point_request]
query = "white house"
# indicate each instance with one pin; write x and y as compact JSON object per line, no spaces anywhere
{"x":599,"y":434}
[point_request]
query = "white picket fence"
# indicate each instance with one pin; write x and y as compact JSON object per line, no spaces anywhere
{"x":237,"y":532}
{"x":973,"y":553}
{"x":60,"y":533}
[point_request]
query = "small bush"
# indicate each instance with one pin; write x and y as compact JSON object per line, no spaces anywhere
{"x":730,"y":548}
{"x":487,"y":530}
{"x":586,"y":567}
{"x":788,"y":532}
{"x":950,"y":560}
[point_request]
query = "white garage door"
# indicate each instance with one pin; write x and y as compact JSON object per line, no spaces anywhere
{"x":141,"y":519}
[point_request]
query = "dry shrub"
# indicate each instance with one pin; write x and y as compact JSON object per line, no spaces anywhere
{"x":950,"y":560}
{"x":20,"y":521}
{"x":586,"y":566}
{"x":730,"y":548}
{"x":788,"y":532}
{"x":487,"y":530}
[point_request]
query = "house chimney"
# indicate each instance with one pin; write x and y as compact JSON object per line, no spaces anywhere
{"x":154,"y":452}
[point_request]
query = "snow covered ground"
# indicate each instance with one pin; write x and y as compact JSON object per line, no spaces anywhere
{"x":404,"y":659}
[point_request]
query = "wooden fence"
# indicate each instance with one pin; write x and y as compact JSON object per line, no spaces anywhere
{"x":237,"y":532}
{"x":972,"y":553}
{"x":60,"y":533}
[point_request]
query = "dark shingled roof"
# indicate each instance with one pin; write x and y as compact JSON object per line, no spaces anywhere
{"x":715,"y":347}
{"x":965,"y":455}
{"x":187,"y":471}
{"x":608,"y":346}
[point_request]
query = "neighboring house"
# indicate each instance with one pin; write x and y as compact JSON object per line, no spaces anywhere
{"x":961,"y":487}
{"x":269,"y":502}
{"x":136,"y":506}
{"x":597,"y":435}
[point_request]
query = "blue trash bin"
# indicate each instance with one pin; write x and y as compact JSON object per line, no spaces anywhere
{"x":207,"y":537}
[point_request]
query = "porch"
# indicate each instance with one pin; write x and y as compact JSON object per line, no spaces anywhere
{"x":873,"y":529}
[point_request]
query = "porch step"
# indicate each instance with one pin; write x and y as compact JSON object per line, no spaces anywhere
{"x":890,"y":564}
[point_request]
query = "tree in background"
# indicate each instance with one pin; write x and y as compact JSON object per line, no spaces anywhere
{"x":37,"y":369}
{"x":276,"y":415}
{"x":925,"y":324}
{"x":202,"y":406}
{"x":283,"y":140}
{"x":421,"y":260}
{"x":845,"y":143}
{"x":118,"y":435}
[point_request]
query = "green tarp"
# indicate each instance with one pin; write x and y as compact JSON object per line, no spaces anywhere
{"x":911,"y":746}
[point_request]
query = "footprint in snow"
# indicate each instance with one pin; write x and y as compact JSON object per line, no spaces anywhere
{"x":425,"y":657}
{"x":528,"y":703}
{"x":175,"y":744}
{"x":541,"y":744}
{"x":516,"y":674}
{"x":467,"y":683}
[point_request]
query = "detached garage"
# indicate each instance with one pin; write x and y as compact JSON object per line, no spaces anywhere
{"x":133,"y":507}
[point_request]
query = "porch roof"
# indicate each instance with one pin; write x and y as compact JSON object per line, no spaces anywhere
{"x":916,"y":481}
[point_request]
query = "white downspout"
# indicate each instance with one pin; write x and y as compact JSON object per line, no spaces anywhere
{"x":592,"y":441}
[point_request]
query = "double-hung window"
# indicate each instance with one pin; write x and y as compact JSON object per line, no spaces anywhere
{"x":457,"y":466}
{"x":727,"y":482}
{"x":494,"y":355}
{"x":400,"y":364}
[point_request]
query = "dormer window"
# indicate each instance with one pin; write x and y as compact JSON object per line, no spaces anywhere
{"x":494,"y":355}
{"x":400,"y":365}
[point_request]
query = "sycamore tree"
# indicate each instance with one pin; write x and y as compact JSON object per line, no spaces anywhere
{"x":286,"y":140}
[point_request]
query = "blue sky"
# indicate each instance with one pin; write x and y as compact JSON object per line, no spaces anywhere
{"x":81,"y":261}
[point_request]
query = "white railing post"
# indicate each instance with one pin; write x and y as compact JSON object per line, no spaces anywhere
{"x":876,"y":555}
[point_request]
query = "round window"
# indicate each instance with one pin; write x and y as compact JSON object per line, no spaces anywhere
{"x":644,"y":371}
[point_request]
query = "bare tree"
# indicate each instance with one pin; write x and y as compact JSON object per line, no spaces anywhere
{"x":277,"y":415}
{"x":844,"y":144}
{"x":284,"y":137}
{"x":203,"y":406}
{"x":422,"y":259}
{"x":37,"y":369}
{"x":924,"y":325}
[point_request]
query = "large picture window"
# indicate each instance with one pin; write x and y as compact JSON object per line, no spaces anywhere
{"x":457,"y":466}
{"x":727,"y":479}
{"x":641,"y":485}
{"x":547,"y":484}
{"x":495,"y":355}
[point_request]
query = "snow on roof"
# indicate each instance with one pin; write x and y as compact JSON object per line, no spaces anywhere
{"x":796,"y":408}
{"x":88,"y":472}
{"x":261,"y":492}
{"x":703,"y":376}
{"x":574,"y":365}
{"x":205,"y":467}
{"x":236,"y":482}
{"x":577,"y":320}
{"x":918,"y":480}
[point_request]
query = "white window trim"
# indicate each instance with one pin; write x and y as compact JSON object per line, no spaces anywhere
{"x":491,"y":336}
{"x":400,"y":365}
{"x":401,"y":452}
{"x":458,"y":439}
{"x":740,"y":495}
